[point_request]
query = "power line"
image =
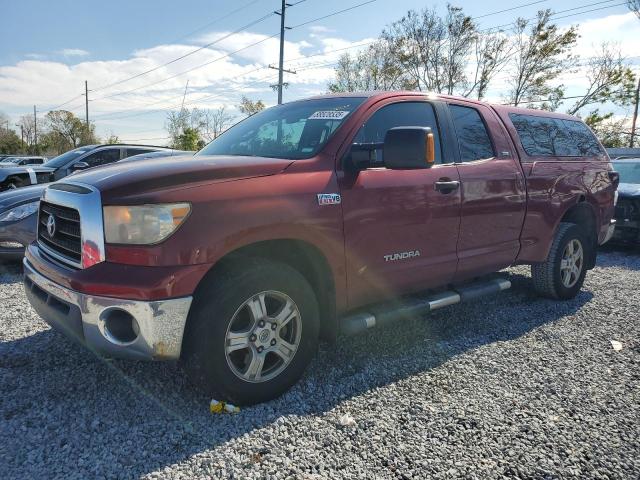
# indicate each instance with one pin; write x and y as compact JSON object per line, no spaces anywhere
{"x":508,"y":9}
{"x":192,"y":52}
{"x":333,"y":14}
{"x":217,"y":20}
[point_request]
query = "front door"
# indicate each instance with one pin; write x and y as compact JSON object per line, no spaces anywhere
{"x":401,"y":227}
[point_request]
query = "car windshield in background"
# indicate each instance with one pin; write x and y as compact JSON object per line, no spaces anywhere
{"x":65,"y":158}
{"x":629,"y":171}
{"x":292,"y":131}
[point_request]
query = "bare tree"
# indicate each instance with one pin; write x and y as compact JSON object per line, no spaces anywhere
{"x":184,"y":120}
{"x":492,"y":52}
{"x":610,"y":80}
{"x":634,"y":6}
{"x":215,"y":122}
{"x":375,"y":68}
{"x":28,"y":129}
{"x":433,"y":50}
{"x":542,"y":54}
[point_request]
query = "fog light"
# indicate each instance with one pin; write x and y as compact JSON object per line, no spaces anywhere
{"x":120,"y":327}
{"x":11,"y":245}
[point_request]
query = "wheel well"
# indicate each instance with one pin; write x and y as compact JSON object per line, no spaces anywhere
{"x":303,"y":257}
{"x":582,"y":214}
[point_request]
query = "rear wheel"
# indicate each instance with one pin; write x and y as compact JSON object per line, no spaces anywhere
{"x":252,"y":333}
{"x":561,"y":276}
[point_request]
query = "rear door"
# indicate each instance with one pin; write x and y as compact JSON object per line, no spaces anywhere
{"x":492,"y":188}
{"x":400,"y":230}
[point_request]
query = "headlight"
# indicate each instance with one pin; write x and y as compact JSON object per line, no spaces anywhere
{"x":19,"y":212}
{"x":143,"y":224}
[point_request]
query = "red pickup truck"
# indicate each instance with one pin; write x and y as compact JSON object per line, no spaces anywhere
{"x":336,"y":213}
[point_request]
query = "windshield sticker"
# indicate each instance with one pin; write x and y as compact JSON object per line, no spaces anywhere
{"x":329,"y":115}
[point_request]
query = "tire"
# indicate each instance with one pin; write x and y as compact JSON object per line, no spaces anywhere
{"x":227,"y":309}
{"x":553,"y":278}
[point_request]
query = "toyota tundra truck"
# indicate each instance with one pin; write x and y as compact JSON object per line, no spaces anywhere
{"x":338,"y":213}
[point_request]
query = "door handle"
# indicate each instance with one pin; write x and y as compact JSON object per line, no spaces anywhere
{"x":447,"y":186}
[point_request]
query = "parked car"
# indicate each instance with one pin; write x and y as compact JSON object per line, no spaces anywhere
{"x":628,"y":207}
{"x":334,"y":214}
{"x":18,"y":221}
{"x":63,"y":165}
{"x":20,"y":161}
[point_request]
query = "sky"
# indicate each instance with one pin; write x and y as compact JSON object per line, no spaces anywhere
{"x":49,"y":48}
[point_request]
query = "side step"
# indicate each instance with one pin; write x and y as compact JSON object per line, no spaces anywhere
{"x":376,"y":316}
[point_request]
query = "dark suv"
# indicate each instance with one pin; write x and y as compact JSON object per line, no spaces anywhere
{"x":63,"y":165}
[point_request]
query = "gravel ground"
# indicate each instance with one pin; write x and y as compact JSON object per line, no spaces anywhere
{"x":513,"y":386}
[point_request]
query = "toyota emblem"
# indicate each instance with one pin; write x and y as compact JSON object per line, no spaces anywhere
{"x":51,"y":225}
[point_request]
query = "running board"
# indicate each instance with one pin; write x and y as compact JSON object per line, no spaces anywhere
{"x":417,"y":306}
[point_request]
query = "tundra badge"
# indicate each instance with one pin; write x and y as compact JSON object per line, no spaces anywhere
{"x":401,"y":256}
{"x":329,"y":199}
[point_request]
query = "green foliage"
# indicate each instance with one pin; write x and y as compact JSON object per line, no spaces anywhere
{"x":610,"y":132}
{"x":9,"y":141}
{"x":66,"y":131}
{"x":189,"y":139}
{"x":249,"y":107}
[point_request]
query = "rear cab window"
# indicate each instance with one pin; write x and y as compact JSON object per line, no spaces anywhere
{"x":542,"y":136}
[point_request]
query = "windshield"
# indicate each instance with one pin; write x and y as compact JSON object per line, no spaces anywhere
{"x":65,"y":158}
{"x":292,"y":131}
{"x":629,"y":171}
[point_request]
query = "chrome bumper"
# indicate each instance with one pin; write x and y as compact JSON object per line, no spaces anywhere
{"x":160,"y":324}
{"x":610,"y":230}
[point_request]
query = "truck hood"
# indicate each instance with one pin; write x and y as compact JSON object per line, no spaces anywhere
{"x":168,"y":173}
{"x":629,"y":190}
{"x":11,"y":198}
{"x":7,"y":172}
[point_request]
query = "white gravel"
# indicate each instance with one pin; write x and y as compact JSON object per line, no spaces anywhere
{"x":512,"y":386}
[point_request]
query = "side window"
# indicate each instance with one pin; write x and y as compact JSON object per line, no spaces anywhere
{"x":402,"y":114}
{"x":585,"y":141}
{"x":130,"y":152}
{"x":103,"y":157}
{"x":473,"y":139}
{"x":544,"y":136}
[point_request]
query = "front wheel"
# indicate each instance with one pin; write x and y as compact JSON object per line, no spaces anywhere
{"x":561,"y":276}
{"x":252,"y":332}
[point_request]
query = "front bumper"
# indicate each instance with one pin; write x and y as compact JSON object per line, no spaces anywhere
{"x":610,"y":231}
{"x":160,"y":323}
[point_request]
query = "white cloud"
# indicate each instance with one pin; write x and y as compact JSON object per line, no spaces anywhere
{"x":73,"y":52}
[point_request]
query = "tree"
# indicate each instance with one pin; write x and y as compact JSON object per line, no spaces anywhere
{"x":189,"y":139}
{"x":248,"y":107}
{"x":610,"y":80}
{"x":634,"y":6}
{"x":216,"y":122}
{"x":542,"y":54}
{"x":612,"y":133}
{"x":111,"y":139}
{"x":28,"y":126}
{"x":432,"y":50}
{"x":375,"y":68}
{"x":9,"y":141}
{"x":182,"y":125}
{"x":492,"y":52}
{"x":66,"y":131}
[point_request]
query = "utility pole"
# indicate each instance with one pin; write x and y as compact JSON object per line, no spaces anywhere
{"x":86,"y":104}
{"x":635,"y":115}
{"x":21,"y":135}
{"x":280,"y":68}
{"x":35,"y":129}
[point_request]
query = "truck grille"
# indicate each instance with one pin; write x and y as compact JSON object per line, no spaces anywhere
{"x":64,"y":240}
{"x":626,"y":209}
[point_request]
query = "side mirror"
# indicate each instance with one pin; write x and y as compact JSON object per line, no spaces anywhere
{"x":409,"y":148}
{"x":79,"y":166}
